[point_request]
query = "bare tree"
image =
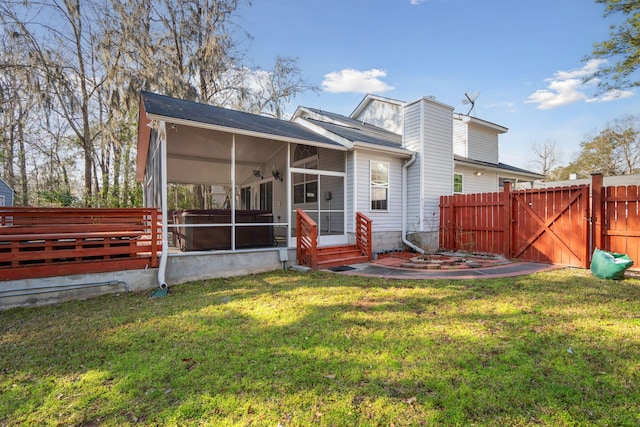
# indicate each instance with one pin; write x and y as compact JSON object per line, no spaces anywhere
{"x":80,"y":67}
{"x":58,"y":37}
{"x":17,"y":114}
{"x":614,"y":150}
{"x":545,"y":156}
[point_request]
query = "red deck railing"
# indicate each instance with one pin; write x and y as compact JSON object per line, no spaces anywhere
{"x":363,"y":234}
{"x":45,"y":242}
{"x":306,"y":240}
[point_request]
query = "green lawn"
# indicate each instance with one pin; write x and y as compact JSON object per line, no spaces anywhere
{"x":558,"y":348}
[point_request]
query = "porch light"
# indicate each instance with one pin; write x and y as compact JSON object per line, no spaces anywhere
{"x":257,"y":173}
{"x":276,"y":174}
{"x":478,"y":173}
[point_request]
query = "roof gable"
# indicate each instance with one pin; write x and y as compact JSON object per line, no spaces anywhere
{"x":369,"y":98}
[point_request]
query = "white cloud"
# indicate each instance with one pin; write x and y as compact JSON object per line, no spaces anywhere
{"x":558,"y":93}
{"x":613,"y":95}
{"x":415,"y":2}
{"x":567,"y":87}
{"x":350,"y":80}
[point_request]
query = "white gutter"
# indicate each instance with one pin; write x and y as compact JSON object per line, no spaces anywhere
{"x":165,"y":228}
{"x":404,"y":205}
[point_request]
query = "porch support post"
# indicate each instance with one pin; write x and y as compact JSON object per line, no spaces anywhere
{"x":233,"y":192}
{"x":288,"y":193}
{"x":597,"y":212}
{"x":164,"y":204}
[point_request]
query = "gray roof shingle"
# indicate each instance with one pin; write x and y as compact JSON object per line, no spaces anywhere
{"x":169,"y":107}
{"x":357,"y":131}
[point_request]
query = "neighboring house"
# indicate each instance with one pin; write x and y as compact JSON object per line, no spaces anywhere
{"x":6,"y":194}
{"x":390,"y":160}
{"x":607,"y":181}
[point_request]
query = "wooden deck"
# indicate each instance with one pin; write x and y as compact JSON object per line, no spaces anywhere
{"x":45,"y":242}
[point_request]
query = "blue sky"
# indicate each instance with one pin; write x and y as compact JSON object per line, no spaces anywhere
{"x":525,"y":58}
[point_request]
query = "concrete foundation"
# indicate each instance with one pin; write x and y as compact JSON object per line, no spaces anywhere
{"x":181,"y":268}
{"x":184,"y":267}
{"x":51,"y":290}
{"x":383,"y":241}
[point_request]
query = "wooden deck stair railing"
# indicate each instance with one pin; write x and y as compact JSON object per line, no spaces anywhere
{"x":363,"y":235}
{"x":47,"y":242}
{"x":310,"y":254}
{"x":306,"y":240}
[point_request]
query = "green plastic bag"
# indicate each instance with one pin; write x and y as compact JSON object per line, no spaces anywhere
{"x":609,"y":265}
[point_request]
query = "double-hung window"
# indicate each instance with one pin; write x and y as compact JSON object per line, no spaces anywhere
{"x":379,"y":173}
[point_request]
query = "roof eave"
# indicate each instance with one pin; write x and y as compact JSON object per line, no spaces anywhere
{"x":469,"y":119}
{"x":402,"y":152}
{"x":497,"y":168}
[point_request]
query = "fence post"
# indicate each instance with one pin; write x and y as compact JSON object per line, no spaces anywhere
{"x":453,"y":225}
{"x":506,"y":199}
{"x":597,"y":212}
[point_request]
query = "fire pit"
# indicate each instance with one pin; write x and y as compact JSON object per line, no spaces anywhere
{"x":441,"y":261}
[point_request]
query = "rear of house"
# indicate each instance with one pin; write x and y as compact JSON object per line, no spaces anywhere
{"x":389,"y":160}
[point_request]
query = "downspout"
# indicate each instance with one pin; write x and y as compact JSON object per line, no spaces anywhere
{"x":163,"y":190}
{"x":405,"y":167}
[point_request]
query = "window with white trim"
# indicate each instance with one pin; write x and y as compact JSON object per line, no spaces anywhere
{"x":379,"y":174}
{"x":457,"y":183}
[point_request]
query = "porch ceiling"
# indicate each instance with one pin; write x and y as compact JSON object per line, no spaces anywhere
{"x":202,"y":156}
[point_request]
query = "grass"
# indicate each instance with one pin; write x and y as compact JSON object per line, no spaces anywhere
{"x":558,"y":348}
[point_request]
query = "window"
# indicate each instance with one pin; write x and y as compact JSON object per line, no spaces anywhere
{"x":304,"y":152}
{"x":379,"y":186}
{"x":305,"y":186}
{"x":457,"y":183}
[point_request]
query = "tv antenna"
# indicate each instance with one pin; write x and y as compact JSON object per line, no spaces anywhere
{"x":470,"y":99}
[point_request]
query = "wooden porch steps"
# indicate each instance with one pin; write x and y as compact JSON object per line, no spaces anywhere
{"x":338,"y":256}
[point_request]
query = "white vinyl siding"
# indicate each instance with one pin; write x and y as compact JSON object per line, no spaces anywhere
{"x":391,"y":219}
{"x":386,"y":115}
{"x":412,"y":141}
{"x":483,"y":144}
{"x":437,"y":123}
{"x":460,"y":138}
{"x":473,"y":183}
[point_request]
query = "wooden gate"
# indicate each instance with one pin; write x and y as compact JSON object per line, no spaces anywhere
{"x":551,"y":225}
{"x":545,"y":225}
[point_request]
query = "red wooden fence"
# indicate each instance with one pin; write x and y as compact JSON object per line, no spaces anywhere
{"x":473,"y":222}
{"x":558,"y":225}
{"x":616,"y":225}
{"x":42,"y":242}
